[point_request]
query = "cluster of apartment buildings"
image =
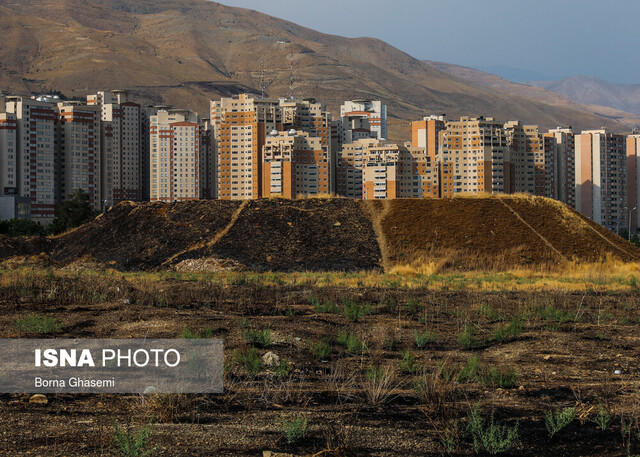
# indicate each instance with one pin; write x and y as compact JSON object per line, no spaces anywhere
{"x":251,"y":147}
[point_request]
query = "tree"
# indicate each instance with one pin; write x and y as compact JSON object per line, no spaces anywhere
{"x":21,"y":227}
{"x":73,"y":212}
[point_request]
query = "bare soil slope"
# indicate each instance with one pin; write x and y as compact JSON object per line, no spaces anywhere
{"x":495,"y":232}
{"x":334,"y":235}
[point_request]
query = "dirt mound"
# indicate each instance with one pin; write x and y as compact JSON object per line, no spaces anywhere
{"x":491,"y":232}
{"x":141,"y":236}
{"x":331,"y":235}
{"x":262,"y":235}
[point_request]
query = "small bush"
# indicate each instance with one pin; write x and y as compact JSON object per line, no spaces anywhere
{"x":354,"y":311}
{"x":283,"y":369}
{"x":506,"y":379}
{"x":424,"y":339}
{"x":408,"y":363}
{"x":504,"y":332}
{"x":603,"y":418}
{"x":352,"y":343}
{"x":471,"y":370}
{"x":250,"y":360}
{"x":258,"y":338}
{"x":323,"y":308}
{"x":414,"y":306}
{"x":490,"y":436}
{"x":293,"y":430}
{"x":322,"y":350}
{"x":559,"y":316}
{"x":131,"y":443}
{"x":203,"y":333}
{"x":557,"y":420}
{"x":468,"y":337}
{"x":38,"y":324}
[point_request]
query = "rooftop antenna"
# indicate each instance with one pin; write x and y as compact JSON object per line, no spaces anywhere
{"x":262,"y":78}
{"x":291,"y":85}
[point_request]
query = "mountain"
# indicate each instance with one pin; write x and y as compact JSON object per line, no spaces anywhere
{"x":185,"y":52}
{"x":541,"y":92}
{"x":593,"y":91}
{"x":518,"y":75}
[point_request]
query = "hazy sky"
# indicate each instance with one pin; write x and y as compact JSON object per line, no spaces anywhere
{"x":553,"y":37}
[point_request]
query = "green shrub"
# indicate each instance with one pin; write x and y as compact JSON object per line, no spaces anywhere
{"x":38,"y":324}
{"x":559,"y":316}
{"x":354,"y":311}
{"x":414,"y":306}
{"x":490,"y":436}
{"x":504,"y":332}
{"x":506,"y":379}
{"x":293,"y":430}
{"x":131,"y":443}
{"x":471,"y":370}
{"x":352,"y":343}
{"x":322,"y":350}
{"x":602,"y":418}
{"x":408,"y":363}
{"x":557,"y":420}
{"x":423,"y":339}
{"x":283,"y":369}
{"x":21,"y":227}
{"x":258,"y":338}
{"x":323,"y":308}
{"x":203,"y":333}
{"x":468,"y":337}
{"x":250,"y":360}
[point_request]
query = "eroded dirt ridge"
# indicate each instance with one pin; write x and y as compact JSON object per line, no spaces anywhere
{"x":333,"y":235}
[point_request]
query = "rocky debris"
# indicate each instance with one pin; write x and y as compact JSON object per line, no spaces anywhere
{"x":208,"y":265}
{"x":38,"y":399}
{"x":271,"y":359}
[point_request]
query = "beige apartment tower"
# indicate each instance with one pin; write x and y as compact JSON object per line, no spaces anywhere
{"x":174,"y":137}
{"x":600,"y":178}
{"x":34,"y":158}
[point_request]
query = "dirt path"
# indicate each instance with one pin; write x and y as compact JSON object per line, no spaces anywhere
{"x":547,"y":242}
{"x":376,"y":220}
{"x":217,"y":237}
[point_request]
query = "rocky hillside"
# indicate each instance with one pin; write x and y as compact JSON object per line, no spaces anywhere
{"x":184,"y":52}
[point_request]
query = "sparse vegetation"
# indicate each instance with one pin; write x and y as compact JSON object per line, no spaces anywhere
{"x":259,"y":338}
{"x":250,"y":360}
{"x":37,"y":324}
{"x":293,"y":429}
{"x":490,"y":436}
{"x":352,"y":343}
{"x":558,"y":420}
{"x":424,"y":339}
{"x":131,"y":443}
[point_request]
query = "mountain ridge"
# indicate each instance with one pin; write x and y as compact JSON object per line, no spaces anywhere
{"x":186,"y":53}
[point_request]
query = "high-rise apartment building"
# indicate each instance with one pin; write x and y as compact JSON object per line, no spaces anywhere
{"x":524,"y":142}
{"x":79,"y":151}
{"x":294,"y":164}
{"x":8,"y":152}
{"x":241,"y":126}
{"x":235,"y":130}
{"x":600,"y":178}
{"x":208,"y":162}
{"x":362,"y":119}
{"x":174,"y":156}
{"x":33,"y":159}
{"x":475,"y":157}
{"x":425,"y":134}
{"x":633,"y":181}
{"x":563,"y":185}
{"x":123,"y":165}
{"x":350,"y":165}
